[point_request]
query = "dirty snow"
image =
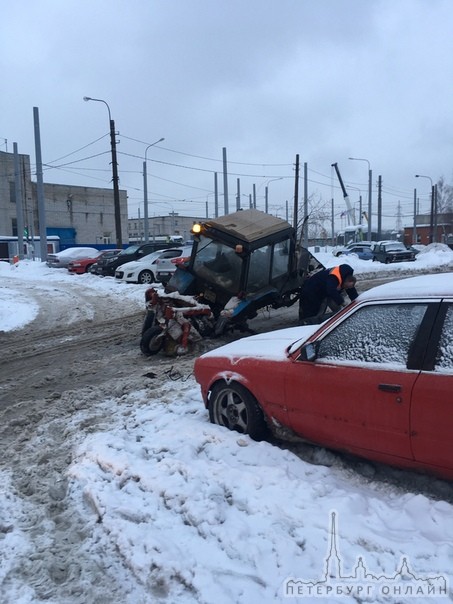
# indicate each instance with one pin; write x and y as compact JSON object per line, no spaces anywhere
{"x":189,"y":513}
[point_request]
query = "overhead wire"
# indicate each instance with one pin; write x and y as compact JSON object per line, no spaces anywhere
{"x":405,"y":196}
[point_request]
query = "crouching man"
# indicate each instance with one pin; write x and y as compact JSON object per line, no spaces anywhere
{"x":323,"y":290}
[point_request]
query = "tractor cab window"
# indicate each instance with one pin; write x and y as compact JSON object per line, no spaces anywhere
{"x":280,"y":259}
{"x":259,"y":268}
{"x":218,"y":264}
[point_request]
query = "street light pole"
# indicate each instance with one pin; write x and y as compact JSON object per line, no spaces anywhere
{"x":145,"y":193}
{"x":433,"y":204}
{"x":115,"y":179}
{"x":370,"y":182}
{"x":266,"y":193}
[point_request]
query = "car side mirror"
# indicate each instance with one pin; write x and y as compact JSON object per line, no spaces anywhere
{"x":309,"y":352}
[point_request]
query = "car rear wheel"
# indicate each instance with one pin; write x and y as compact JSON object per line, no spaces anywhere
{"x":152,"y":341}
{"x":235,"y":408}
{"x":146,"y":277}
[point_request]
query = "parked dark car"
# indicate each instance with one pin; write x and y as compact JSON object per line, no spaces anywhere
{"x":133,"y":252}
{"x":96,"y":268}
{"x":375,"y":380}
{"x":392,"y":251}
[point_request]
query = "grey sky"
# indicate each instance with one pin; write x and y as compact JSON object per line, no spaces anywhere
{"x":267,"y":79}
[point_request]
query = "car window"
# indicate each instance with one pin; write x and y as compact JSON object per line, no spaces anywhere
{"x":374,"y":334}
{"x":395,"y":246}
{"x":170,"y":254}
{"x":129,"y":250}
{"x":444,"y":359}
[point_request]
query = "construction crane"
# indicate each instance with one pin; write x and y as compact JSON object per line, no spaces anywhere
{"x":350,"y":213}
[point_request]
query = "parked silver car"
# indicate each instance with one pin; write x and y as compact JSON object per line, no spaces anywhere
{"x":63,"y":258}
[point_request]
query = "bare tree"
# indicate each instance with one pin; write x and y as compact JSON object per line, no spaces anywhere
{"x":319,"y":222}
{"x":444,"y":197}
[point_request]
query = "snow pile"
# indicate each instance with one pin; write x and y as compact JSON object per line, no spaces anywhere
{"x":202,"y":515}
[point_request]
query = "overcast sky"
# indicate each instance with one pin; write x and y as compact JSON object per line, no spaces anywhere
{"x":266,"y":79}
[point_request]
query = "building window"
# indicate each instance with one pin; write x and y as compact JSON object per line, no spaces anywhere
{"x":12,"y":192}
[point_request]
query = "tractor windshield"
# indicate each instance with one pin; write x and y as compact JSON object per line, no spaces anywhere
{"x":218,"y":264}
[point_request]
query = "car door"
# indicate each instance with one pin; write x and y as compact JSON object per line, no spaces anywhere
{"x":432,"y":398}
{"x":356,"y":394}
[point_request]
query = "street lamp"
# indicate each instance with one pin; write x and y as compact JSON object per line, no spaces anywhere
{"x":145,"y":193}
{"x":116,"y":191}
{"x":370,"y":180}
{"x":266,"y":199}
{"x":433,"y":206}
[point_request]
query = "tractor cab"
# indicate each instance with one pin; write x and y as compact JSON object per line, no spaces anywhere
{"x":242,"y":262}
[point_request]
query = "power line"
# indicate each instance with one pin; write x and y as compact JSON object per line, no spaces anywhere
{"x":76,"y":161}
{"x":206,"y":158}
{"x":77,"y":150}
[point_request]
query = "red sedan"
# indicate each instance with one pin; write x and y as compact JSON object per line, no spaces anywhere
{"x":375,"y":380}
{"x":83,"y":265}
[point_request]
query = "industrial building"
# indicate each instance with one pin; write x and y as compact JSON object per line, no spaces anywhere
{"x":77,"y":215}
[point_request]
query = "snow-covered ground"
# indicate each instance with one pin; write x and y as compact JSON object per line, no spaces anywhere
{"x":190,"y":513}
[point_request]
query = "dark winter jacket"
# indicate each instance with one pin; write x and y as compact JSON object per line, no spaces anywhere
{"x":327,"y":283}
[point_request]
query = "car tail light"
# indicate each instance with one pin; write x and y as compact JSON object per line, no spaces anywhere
{"x":180,"y":260}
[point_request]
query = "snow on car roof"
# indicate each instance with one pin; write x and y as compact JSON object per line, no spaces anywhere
{"x":426,"y":286}
{"x":70,"y":251}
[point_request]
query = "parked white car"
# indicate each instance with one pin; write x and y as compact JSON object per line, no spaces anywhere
{"x":144,"y":270}
{"x":165,"y":267}
{"x":63,"y":258}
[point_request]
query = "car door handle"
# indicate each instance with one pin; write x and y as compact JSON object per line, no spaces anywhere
{"x":390,"y":387}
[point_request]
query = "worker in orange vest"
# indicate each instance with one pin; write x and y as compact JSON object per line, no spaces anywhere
{"x":325,"y":289}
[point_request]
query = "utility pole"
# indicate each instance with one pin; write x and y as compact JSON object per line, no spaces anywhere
{"x":431,"y":221}
{"x":333,"y":221}
{"x":216,"y":196}
{"x":40,"y":189}
{"x":145,"y":193}
{"x":379,"y":209}
{"x":305,"y":203}
{"x":19,"y":204}
{"x":116,"y":190}
{"x":225,"y":182}
{"x":435,"y":212}
{"x":238,"y":194}
{"x":398,"y":218}
{"x":296,"y":194}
